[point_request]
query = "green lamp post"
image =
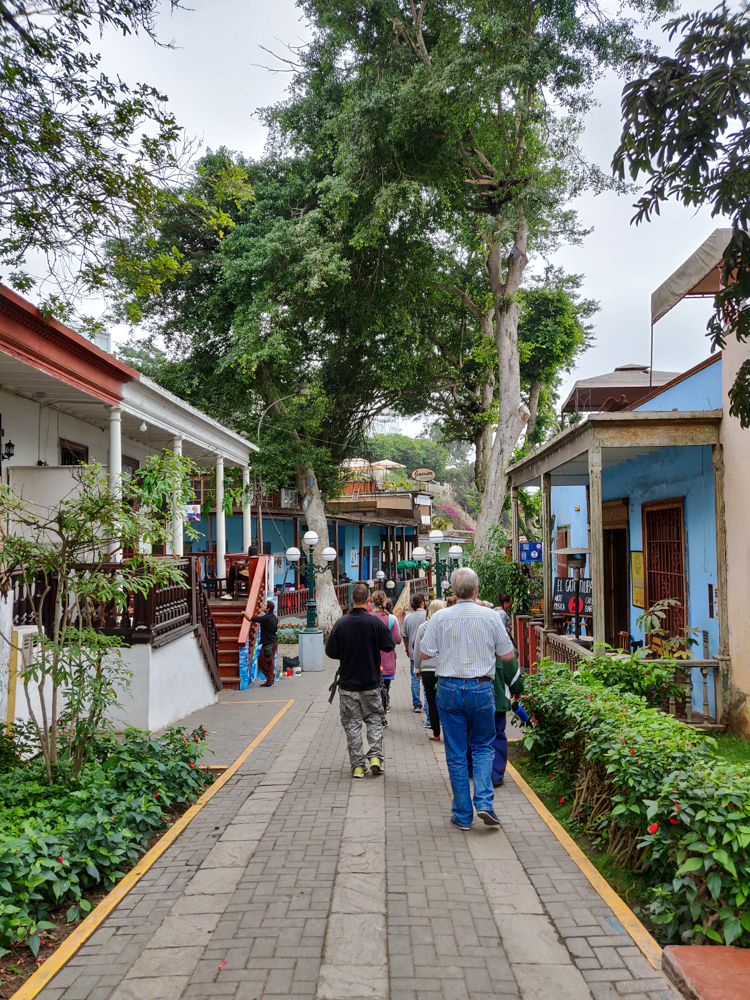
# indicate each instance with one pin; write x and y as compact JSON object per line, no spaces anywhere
{"x":454,"y":553}
{"x":293,"y":554}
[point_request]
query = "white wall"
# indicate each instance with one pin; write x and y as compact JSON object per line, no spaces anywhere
{"x":36,"y":429}
{"x":168,"y":683}
{"x":180,"y":682}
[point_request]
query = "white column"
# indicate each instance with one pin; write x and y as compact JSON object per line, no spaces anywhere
{"x":221,"y":524}
{"x":178,"y":521}
{"x":115,"y":465}
{"x":247,"y":512}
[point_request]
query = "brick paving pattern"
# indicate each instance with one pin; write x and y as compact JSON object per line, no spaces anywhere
{"x":295,"y":881}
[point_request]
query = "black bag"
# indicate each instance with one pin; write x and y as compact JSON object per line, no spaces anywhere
{"x":290,"y":662}
{"x":268,"y":650}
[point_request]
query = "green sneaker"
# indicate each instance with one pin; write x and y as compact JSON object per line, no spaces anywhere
{"x":358,"y":772}
{"x":376,"y":765}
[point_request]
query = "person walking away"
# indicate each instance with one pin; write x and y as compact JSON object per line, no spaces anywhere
{"x":235,"y":571}
{"x":412,"y":623}
{"x":383,"y":608}
{"x":467,"y":638}
{"x":356,"y":641}
{"x":504,"y":602}
{"x":508,"y":684}
{"x":425,"y":667}
{"x":269,"y":643}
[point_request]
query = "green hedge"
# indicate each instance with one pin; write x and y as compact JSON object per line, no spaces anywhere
{"x":58,"y":842}
{"x":652,"y":792}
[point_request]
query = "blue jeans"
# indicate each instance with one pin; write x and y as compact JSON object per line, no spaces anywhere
{"x":500,"y":743}
{"x":467,"y":714}
{"x":415,"y":699}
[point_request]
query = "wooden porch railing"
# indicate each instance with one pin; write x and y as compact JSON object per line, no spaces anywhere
{"x":342,"y":593}
{"x":565,"y":650}
{"x":255,"y":598}
{"x":710,"y":671}
{"x":163,"y":614}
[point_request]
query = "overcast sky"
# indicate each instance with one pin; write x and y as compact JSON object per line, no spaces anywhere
{"x":215,"y":80}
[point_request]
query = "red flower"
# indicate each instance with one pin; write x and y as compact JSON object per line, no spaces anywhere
{"x":653,"y":828}
{"x":562,"y":800}
{"x":61,"y":861}
{"x":591,"y":697}
{"x":632,"y":752}
{"x":192,"y":764}
{"x":673,"y":822}
{"x":677,"y":806}
{"x":156,"y":796}
{"x":185,"y":742}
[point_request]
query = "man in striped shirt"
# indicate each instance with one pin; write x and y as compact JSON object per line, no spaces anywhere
{"x":467,"y":639}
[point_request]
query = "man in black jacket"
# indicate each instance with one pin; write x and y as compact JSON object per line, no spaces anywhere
{"x":356,"y":640}
{"x":268,"y":641}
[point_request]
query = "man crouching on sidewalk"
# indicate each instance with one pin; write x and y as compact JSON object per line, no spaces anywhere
{"x":357,"y":640}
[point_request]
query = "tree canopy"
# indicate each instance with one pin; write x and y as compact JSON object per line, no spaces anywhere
{"x":452,"y":129}
{"x":686,"y":127}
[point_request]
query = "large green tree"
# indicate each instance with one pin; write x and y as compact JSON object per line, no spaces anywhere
{"x":453,"y":125}
{"x":686,"y":128}
{"x":281,"y":300}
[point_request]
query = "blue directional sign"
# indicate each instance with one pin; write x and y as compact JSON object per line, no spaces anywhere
{"x":531,"y":552}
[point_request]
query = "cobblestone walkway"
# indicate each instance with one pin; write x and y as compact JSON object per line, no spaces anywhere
{"x":294,"y":881}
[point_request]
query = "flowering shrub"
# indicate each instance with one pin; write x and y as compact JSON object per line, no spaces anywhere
{"x":655,"y":795}
{"x":57,"y":842}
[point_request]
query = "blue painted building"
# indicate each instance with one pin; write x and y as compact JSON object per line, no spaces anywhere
{"x":279,"y":535}
{"x":641,"y":484}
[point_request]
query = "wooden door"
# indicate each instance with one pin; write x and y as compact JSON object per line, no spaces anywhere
{"x":616,"y":584}
{"x":664,"y":558}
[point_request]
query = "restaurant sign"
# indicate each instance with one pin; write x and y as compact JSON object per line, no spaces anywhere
{"x":422,"y":475}
{"x":564,"y":597}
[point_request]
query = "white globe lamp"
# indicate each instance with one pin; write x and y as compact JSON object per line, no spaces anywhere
{"x":329,"y":554}
{"x":293,"y":554}
{"x":310,"y":538}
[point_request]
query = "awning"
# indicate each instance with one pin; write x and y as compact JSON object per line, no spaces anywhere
{"x":699,"y":275}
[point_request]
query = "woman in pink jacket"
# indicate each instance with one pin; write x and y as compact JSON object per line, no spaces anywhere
{"x":383,"y":607}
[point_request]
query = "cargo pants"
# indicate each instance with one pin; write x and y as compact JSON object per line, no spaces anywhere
{"x":358,"y":707}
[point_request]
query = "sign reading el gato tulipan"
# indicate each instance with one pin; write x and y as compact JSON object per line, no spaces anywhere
{"x":423,"y":475}
{"x":564,"y":597}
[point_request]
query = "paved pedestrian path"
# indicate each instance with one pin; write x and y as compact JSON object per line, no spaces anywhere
{"x":295,"y":881}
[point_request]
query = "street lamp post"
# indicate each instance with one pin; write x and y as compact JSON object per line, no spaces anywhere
{"x":293,"y":554}
{"x":454,"y":553}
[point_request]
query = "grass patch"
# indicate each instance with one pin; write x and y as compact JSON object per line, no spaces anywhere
{"x":631,"y":888}
{"x":733,"y":748}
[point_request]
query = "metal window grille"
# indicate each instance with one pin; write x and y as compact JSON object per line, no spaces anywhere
{"x":666,"y":563}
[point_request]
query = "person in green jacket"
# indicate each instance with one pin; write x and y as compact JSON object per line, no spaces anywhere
{"x":508,"y":681}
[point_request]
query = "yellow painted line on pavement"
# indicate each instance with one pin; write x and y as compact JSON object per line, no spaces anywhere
{"x":260,"y":701}
{"x":625,"y":915}
{"x":36,"y":983}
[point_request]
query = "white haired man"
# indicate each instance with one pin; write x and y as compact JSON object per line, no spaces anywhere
{"x":468,"y":638}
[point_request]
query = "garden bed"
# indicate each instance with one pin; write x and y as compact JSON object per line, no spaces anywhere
{"x":652,"y":796}
{"x":64,"y":847}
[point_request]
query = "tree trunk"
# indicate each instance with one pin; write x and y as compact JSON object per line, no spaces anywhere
{"x":534,"y":394}
{"x":483,"y":435}
{"x":512,"y":411}
{"x":329,"y":610}
{"x":307,"y":484}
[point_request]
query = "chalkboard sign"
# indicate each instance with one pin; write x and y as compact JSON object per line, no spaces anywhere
{"x":564,"y":597}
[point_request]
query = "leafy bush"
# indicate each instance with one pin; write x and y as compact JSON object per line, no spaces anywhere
{"x":632,"y":674}
{"x":497,"y":575}
{"x":652,"y":791}
{"x":58,"y":842}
